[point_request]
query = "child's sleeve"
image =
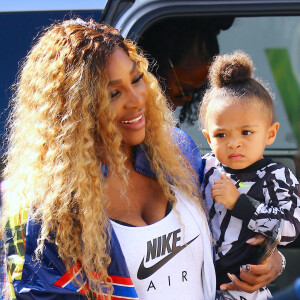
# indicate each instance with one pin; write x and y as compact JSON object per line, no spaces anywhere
{"x":281,"y":190}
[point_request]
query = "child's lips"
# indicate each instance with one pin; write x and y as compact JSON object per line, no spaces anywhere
{"x":236,"y":156}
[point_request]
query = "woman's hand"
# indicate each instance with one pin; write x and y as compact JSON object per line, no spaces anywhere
{"x":254,"y":277}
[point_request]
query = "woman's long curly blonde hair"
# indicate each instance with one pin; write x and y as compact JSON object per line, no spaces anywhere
{"x":61,"y":111}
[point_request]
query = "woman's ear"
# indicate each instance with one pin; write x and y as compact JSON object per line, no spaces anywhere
{"x":205,"y":133}
{"x":272,"y":132}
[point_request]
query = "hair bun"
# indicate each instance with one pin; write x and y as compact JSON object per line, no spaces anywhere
{"x":230,"y":68}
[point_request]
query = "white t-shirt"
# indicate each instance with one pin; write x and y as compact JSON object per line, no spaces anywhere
{"x":172,"y":258}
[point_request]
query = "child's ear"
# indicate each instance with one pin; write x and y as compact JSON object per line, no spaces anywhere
{"x":272,"y":131}
{"x":205,"y":133}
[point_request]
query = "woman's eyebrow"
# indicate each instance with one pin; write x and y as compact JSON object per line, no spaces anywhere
{"x":120,"y":80}
{"x":133,"y":67}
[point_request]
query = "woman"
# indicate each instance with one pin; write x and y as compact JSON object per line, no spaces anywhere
{"x":94,"y":165}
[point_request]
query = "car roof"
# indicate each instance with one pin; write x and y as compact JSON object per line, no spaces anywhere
{"x":134,"y":17}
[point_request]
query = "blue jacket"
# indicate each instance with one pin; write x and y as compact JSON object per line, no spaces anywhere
{"x":49,"y":279}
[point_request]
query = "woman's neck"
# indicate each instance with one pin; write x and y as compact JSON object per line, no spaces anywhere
{"x":101,"y":153}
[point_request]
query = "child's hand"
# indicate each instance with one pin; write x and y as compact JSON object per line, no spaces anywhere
{"x":224,"y":191}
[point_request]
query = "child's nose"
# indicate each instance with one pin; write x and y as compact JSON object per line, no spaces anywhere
{"x":234,"y":143}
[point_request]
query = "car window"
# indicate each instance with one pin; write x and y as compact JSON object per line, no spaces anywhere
{"x":274,"y":45}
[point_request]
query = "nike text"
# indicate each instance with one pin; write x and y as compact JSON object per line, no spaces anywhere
{"x":158,"y":246}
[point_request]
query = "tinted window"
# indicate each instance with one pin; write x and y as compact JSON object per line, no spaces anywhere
{"x":274,"y":45}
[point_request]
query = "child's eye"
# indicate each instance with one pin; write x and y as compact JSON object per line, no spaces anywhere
{"x":220,"y":135}
{"x":246,"y":132}
{"x":114,"y":94}
{"x":138,"y":78}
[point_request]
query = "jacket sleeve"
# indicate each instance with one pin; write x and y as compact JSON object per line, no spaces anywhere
{"x":3,"y":275}
{"x":190,"y":150}
{"x":282,"y":202}
{"x":48,"y":278}
{"x":32,"y":279}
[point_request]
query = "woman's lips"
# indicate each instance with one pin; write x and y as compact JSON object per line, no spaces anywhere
{"x":135,"y":123}
{"x":132,"y":120}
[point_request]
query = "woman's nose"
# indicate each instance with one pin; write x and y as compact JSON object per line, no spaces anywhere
{"x":135,"y":98}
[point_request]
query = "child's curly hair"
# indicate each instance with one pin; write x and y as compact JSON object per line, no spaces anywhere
{"x":231,"y":77}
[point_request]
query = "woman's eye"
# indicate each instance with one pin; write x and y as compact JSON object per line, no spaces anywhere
{"x":220,"y":135}
{"x":138,"y":78}
{"x":246,"y":132}
{"x":114,"y":94}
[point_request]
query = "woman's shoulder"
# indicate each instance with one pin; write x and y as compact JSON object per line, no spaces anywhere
{"x":180,"y":135}
{"x":189,"y":149}
{"x":184,"y":142}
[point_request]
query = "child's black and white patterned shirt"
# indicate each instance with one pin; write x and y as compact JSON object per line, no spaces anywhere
{"x":269,"y":193}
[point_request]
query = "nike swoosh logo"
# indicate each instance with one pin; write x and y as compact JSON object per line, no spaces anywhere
{"x":144,"y":272}
{"x":243,"y":185}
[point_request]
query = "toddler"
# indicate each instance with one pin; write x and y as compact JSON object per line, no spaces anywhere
{"x":245,"y":192}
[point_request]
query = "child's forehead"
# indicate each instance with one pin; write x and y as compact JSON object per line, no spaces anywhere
{"x":221,"y":105}
{"x":232,"y":101}
{"x":243,"y":109}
